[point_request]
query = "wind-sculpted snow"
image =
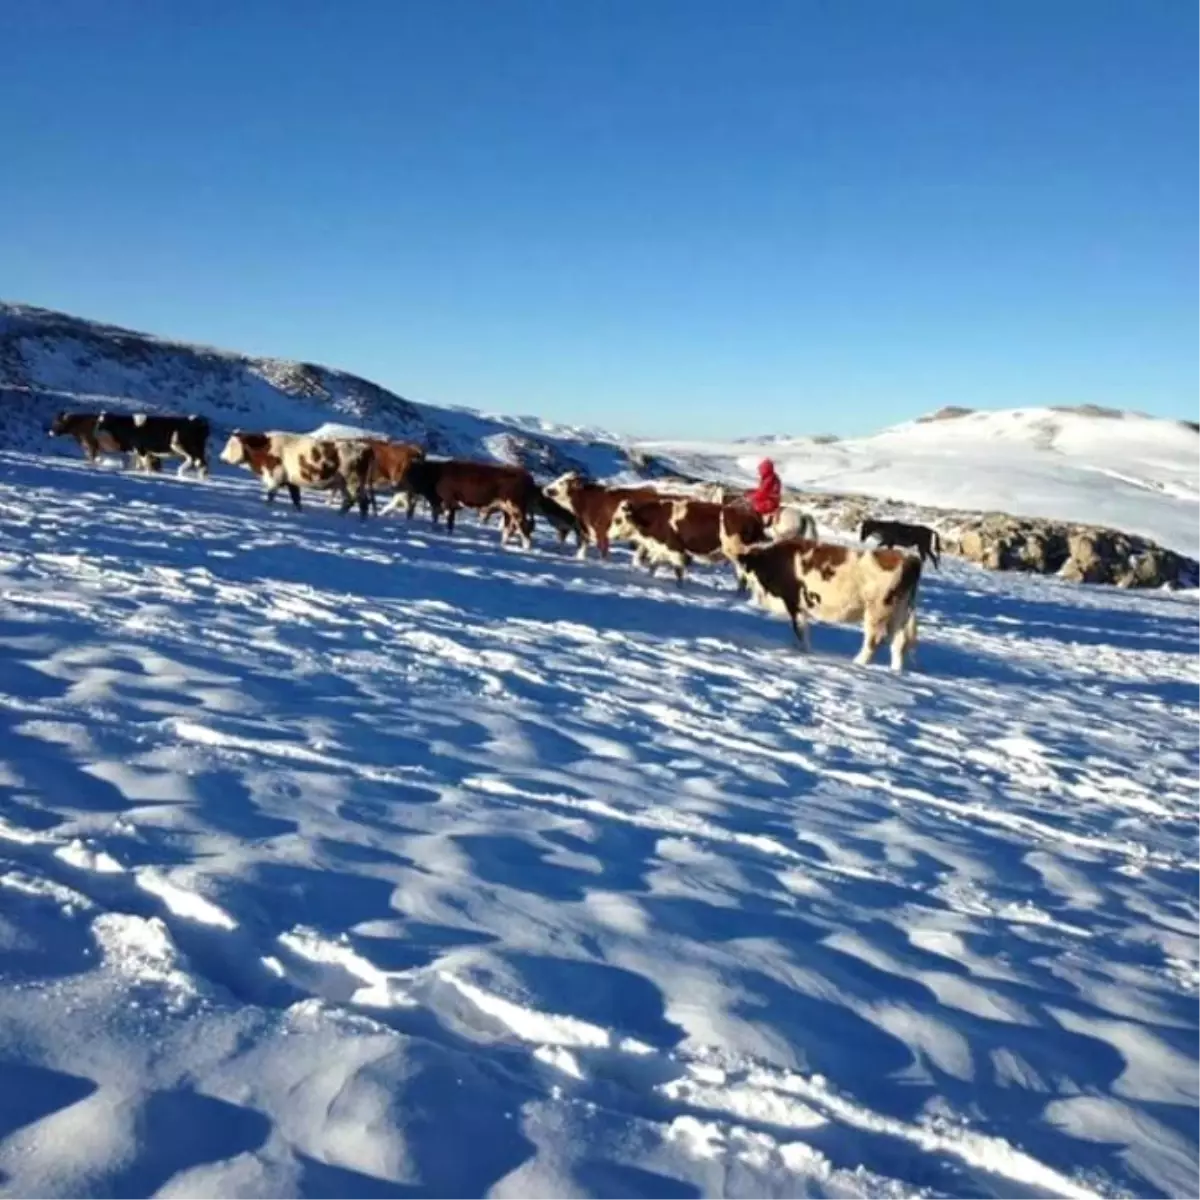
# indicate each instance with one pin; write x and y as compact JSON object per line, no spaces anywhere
{"x":356,"y":859}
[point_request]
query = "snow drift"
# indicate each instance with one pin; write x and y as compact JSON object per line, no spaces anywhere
{"x":343,"y":859}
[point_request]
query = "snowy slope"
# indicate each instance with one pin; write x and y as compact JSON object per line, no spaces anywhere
{"x":342,"y":859}
{"x":1134,"y":473}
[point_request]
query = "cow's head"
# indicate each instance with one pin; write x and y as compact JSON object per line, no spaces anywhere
{"x":235,"y":449}
{"x":61,"y":424}
{"x":623,"y":525}
{"x":564,"y":489}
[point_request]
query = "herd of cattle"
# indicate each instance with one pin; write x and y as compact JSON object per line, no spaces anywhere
{"x":784,"y":565}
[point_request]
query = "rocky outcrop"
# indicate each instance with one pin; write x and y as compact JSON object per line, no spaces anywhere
{"x":1083,"y":553}
{"x":1003,"y":542}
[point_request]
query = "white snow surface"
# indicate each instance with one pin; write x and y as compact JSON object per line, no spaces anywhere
{"x":357,"y":859}
{"x":1135,"y":473}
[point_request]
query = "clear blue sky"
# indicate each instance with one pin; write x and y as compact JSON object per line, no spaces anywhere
{"x":661,"y":216}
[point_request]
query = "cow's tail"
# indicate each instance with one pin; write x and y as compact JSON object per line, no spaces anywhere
{"x":732,"y":545}
{"x":361,"y":479}
{"x":902,"y":598}
{"x":788,"y":523}
{"x":937,"y":542}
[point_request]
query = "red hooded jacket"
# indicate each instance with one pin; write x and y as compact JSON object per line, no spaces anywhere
{"x":765,"y":498}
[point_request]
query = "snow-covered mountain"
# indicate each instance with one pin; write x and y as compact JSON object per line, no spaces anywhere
{"x":363,"y":860}
{"x":1096,"y":466}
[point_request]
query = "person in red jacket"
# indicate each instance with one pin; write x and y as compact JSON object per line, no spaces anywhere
{"x":764,"y":499}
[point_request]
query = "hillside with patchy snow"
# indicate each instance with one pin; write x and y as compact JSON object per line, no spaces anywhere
{"x":50,"y":361}
{"x":344,"y":859}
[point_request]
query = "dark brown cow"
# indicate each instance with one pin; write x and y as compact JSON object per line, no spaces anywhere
{"x":82,"y":427}
{"x":676,"y":531}
{"x":560,"y":519}
{"x":593,"y":506}
{"x":451,"y":484}
{"x":799,"y":577}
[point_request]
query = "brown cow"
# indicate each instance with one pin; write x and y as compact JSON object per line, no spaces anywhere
{"x":593,"y":506}
{"x":675,"y":531}
{"x":82,"y":427}
{"x":389,"y":466}
{"x":800,"y":577}
{"x":451,"y":484}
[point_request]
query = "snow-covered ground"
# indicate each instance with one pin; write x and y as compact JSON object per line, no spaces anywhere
{"x":1134,"y":473}
{"x":344,"y":859}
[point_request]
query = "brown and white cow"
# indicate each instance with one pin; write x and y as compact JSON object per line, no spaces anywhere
{"x":803,"y":578}
{"x":295,"y":461}
{"x":593,"y":506}
{"x":450,"y":484}
{"x":675,"y":530}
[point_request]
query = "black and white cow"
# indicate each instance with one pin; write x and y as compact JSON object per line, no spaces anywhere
{"x":149,"y":437}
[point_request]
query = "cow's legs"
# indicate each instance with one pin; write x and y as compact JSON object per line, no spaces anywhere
{"x":451,"y":511}
{"x":874,"y":633}
{"x":294,"y":493}
{"x":904,"y":640}
{"x":586,"y":534}
{"x":602,"y":543}
{"x":800,"y":628}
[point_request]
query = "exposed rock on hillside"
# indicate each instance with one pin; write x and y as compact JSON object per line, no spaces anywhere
{"x":542,"y":459}
{"x":1001,"y":542}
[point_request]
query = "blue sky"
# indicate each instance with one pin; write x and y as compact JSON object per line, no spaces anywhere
{"x":659,"y":216}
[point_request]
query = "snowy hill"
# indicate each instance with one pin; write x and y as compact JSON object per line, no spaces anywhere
{"x":1135,"y":473}
{"x":50,"y":360}
{"x":359,"y":860}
